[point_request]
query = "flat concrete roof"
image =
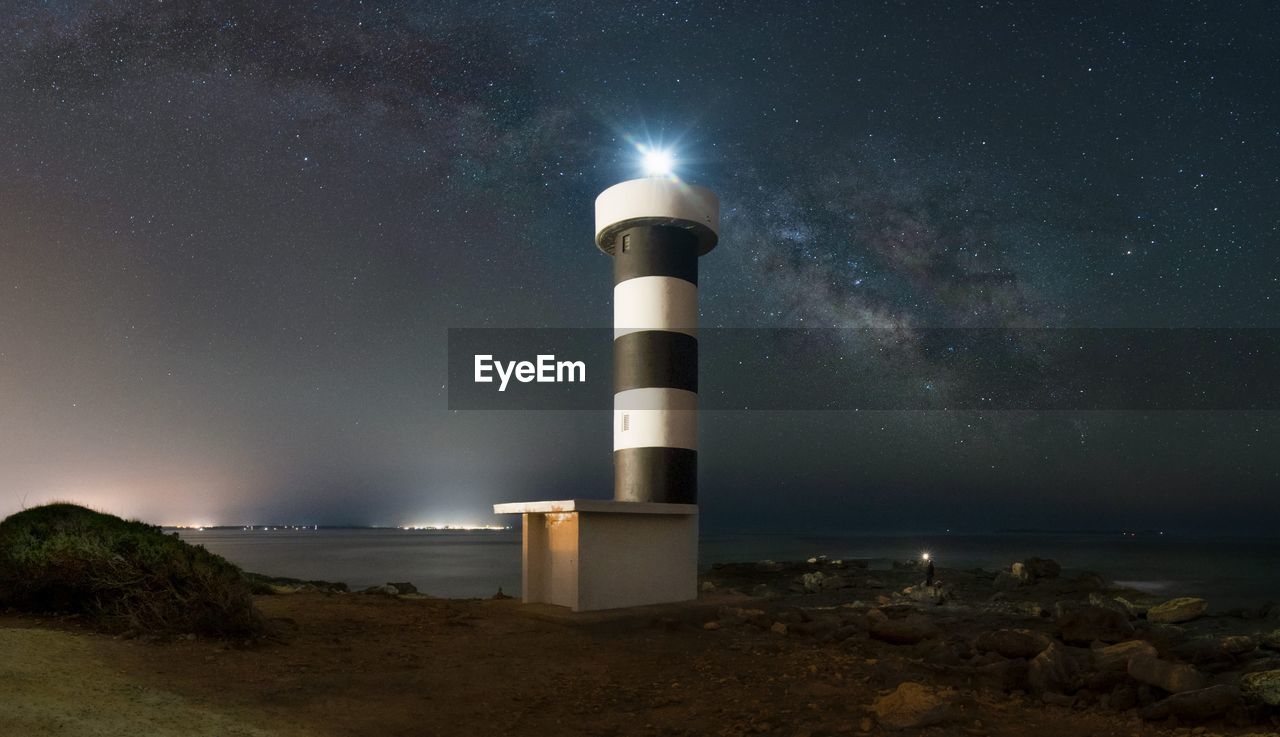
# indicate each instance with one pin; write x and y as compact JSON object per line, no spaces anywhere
{"x":606,"y":506}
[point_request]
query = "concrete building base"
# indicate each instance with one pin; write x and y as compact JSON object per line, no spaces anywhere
{"x":593,"y":554}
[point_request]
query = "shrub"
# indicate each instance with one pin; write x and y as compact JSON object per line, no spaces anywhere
{"x":122,"y":575}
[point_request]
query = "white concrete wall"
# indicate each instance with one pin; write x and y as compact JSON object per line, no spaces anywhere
{"x":550,"y":569}
{"x":636,"y":559}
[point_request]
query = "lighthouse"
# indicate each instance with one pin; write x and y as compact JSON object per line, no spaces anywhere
{"x":656,"y":228}
{"x":641,"y":546}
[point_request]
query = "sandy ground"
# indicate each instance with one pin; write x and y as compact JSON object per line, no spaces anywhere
{"x":371,"y":665}
{"x":67,"y":683}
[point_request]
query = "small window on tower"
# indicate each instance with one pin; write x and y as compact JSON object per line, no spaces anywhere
{"x":626,"y":422}
{"x":626,"y":242}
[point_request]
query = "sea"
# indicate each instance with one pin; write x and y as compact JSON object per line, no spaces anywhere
{"x":1229,"y":572}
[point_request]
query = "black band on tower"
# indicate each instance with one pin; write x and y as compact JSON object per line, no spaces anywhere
{"x":656,"y":250}
{"x":668,"y":475}
{"x":655,"y":358}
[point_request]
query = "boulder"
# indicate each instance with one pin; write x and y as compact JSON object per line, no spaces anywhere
{"x":1237,"y":644}
{"x":1089,"y":581}
{"x":934,"y":594}
{"x":385,"y":590}
{"x":1123,"y":697}
{"x":831,"y":583}
{"x":1113,"y":602}
{"x":778,"y":628}
{"x":1082,"y":625}
{"x":1004,"y":676}
{"x":1006,"y":581}
{"x":1165,"y":637}
{"x":1020,"y":572}
{"x":1056,"y":670}
{"x":404,"y":587}
{"x":1176,"y":611}
{"x":1262,"y":687}
{"x":1195,"y":706}
{"x":1171,"y":677}
{"x":1116,"y":657}
{"x":707,"y":586}
{"x":1201,"y":651}
{"x":1270,"y":640}
{"x":908,"y":630}
{"x":1038,"y":568}
{"x":911,"y":706}
{"x":812,"y":581}
{"x":1013,"y":643}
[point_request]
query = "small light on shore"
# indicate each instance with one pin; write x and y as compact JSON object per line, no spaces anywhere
{"x":924,"y":556}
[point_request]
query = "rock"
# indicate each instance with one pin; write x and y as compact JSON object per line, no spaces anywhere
{"x":1237,"y":644}
{"x":1201,"y":651}
{"x":1196,"y":706}
{"x":778,"y":628}
{"x":1175,"y":611}
{"x":1123,"y":697}
{"x":831,"y":583}
{"x":1056,"y":670}
{"x":1038,"y":568}
{"x":840,"y":634}
{"x":769,"y":566}
{"x":1013,"y":643}
{"x":818,"y":628}
{"x":1262,"y":687}
{"x":934,"y":595}
{"x":405,"y":587}
{"x":1089,"y":581}
{"x":1082,"y":625}
{"x":812,"y":581}
{"x":1006,"y":581}
{"x":707,"y":586}
{"x":908,"y":630}
{"x":1117,"y":657}
{"x":1004,"y":676}
{"x":385,"y":590}
{"x":1020,"y":572}
{"x":1171,"y":677}
{"x":1165,"y":637}
{"x":1113,"y":602}
{"x":911,"y":706}
{"x":711,"y":626}
{"x":762,"y":590}
{"x":1270,"y":640}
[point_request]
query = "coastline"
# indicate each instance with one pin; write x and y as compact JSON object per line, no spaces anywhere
{"x":803,"y":648}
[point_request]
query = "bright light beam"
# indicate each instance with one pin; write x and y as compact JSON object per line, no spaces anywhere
{"x":658,"y":162}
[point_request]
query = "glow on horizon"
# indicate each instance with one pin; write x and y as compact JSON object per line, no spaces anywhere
{"x":463,"y":527}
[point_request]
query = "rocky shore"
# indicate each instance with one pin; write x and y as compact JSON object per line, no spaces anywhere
{"x":816,"y":648}
{"x":1028,"y":634}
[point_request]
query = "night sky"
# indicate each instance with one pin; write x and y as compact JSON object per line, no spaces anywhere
{"x":233,"y":236}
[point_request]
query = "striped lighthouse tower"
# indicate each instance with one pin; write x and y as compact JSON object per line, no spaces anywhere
{"x":656,"y":228}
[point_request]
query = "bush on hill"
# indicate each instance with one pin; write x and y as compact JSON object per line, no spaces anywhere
{"x":122,"y":575}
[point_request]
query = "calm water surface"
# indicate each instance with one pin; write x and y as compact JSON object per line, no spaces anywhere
{"x":1230,"y":572}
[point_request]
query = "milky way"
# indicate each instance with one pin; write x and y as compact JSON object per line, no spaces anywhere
{"x":232,"y":236}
